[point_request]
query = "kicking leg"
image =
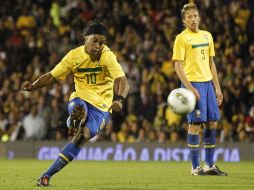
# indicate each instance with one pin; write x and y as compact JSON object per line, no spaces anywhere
{"x":71,"y":150}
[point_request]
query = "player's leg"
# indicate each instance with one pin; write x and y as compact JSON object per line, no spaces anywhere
{"x":82,"y":136}
{"x":193,"y":144}
{"x":96,"y":120}
{"x":78,"y":111}
{"x":209,"y":139}
{"x":209,"y":144}
{"x":210,"y":133}
{"x":195,"y":120}
{"x":77,"y":115}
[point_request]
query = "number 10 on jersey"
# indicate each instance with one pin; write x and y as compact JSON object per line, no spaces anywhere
{"x":91,"y":78}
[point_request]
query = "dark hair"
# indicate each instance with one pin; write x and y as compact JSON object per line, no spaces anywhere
{"x":95,"y":27}
{"x":187,"y":7}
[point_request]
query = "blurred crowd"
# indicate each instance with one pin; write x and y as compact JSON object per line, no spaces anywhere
{"x":36,"y":34}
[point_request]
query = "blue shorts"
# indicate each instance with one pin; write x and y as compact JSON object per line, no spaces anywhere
{"x":96,"y":119}
{"x":206,"y":108}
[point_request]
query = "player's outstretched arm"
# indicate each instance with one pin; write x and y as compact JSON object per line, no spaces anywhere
{"x":121,"y":89}
{"x":44,"y":80}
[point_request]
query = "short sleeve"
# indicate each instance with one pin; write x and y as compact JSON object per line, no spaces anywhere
{"x":113,"y":66}
{"x":63,"y":68}
{"x":211,"y":47}
{"x":179,"y":49}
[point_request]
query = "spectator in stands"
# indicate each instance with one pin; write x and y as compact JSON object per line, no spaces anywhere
{"x":34,"y":125}
{"x":142,"y":33}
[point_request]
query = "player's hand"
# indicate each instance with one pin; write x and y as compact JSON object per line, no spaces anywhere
{"x":219,"y":96}
{"x":27,"y":86}
{"x":196,"y":93}
{"x":116,"y":106}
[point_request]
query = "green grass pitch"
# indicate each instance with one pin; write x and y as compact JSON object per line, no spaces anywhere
{"x":86,"y":175}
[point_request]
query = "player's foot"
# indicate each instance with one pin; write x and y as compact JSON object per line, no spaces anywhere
{"x":214,"y":170}
{"x":43,"y":181}
{"x":198,"y":171}
{"x":75,"y":118}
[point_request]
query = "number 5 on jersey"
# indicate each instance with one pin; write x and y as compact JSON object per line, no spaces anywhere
{"x":203,"y":54}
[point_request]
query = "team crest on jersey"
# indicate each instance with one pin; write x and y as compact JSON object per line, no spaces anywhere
{"x":205,"y":36}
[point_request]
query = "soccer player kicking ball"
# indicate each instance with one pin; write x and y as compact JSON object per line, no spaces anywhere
{"x":96,"y":75}
{"x":193,"y":56}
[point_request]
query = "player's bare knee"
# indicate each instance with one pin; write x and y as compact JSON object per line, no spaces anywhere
{"x":86,"y":133}
{"x":212,"y":125}
{"x":194,"y":128}
{"x":78,"y":139}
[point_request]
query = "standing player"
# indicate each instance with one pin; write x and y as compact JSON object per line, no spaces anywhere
{"x":96,"y":75}
{"x":193,"y":56}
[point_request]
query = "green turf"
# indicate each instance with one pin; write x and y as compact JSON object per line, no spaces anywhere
{"x":22,"y":174}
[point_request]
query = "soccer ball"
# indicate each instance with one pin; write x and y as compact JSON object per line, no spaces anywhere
{"x":181,"y":101}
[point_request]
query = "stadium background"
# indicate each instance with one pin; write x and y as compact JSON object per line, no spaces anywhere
{"x":35,"y":35}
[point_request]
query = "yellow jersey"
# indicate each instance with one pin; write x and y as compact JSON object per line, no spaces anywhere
{"x":194,"y":49}
{"x":93,"y":80}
